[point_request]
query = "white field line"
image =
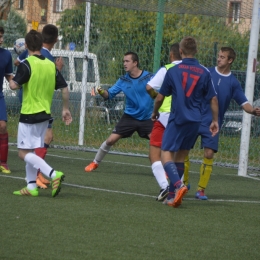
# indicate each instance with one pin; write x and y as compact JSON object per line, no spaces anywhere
{"x":84,"y":159}
{"x":136,"y":194}
{"x":130,"y":164}
{"x":129,"y":193}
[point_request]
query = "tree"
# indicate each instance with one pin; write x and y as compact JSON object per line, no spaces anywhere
{"x":72,"y":26}
{"x":117,"y":30}
{"x":15,"y":28}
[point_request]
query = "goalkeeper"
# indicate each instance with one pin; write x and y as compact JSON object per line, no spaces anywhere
{"x":138,"y":107}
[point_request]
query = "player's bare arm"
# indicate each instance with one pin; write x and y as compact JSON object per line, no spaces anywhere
{"x":251,"y":110}
{"x":66,"y":115}
{"x":153,"y":94}
{"x":59,"y":63}
{"x":13,"y":85}
{"x":65,"y":97}
{"x":214,"y":127}
{"x":16,"y":63}
{"x":157,"y":104}
{"x":9,"y":77}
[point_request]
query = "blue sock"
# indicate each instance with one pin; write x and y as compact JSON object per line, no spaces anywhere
{"x":171,"y":193}
{"x":172,"y":173}
{"x":180,"y":169}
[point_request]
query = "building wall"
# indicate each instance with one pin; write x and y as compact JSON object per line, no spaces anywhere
{"x":246,"y":7}
{"x":42,"y":11}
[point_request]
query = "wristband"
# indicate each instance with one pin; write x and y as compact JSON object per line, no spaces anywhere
{"x":101,"y":91}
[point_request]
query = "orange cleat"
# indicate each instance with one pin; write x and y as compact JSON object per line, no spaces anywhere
{"x":91,"y":167}
{"x":179,"y":194}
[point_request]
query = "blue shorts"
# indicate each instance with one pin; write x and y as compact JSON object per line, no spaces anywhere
{"x":3,"y":112}
{"x":179,"y":137}
{"x":207,"y":140}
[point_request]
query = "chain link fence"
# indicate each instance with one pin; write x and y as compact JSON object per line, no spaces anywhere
{"x":148,"y":28}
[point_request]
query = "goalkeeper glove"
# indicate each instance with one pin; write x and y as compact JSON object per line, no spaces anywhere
{"x":100,"y":91}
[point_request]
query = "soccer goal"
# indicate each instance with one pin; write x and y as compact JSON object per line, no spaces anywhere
{"x":107,"y":29}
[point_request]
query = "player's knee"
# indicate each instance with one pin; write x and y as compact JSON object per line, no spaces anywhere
{"x":209,"y":155}
{"x":3,"y":128}
{"x":110,"y":142}
{"x":48,"y":136}
{"x":48,"y":139}
{"x":154,"y":154}
{"x":21,"y":154}
{"x":150,"y":158}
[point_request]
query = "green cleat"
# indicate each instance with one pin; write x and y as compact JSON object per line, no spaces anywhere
{"x":56,"y":183}
{"x":26,"y":192}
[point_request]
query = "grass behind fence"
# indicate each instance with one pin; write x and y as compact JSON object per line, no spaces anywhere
{"x":112,"y":214}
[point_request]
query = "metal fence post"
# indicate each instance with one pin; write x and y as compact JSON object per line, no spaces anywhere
{"x":158,"y":36}
{"x":249,"y":91}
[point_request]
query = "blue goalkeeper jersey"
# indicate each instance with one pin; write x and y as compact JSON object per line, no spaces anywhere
{"x":190,"y":84}
{"x":228,"y":88}
{"x":139,"y":104}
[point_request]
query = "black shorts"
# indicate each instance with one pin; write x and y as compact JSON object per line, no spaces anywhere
{"x":128,"y":125}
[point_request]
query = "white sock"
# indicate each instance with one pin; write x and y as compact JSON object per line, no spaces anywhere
{"x":159,"y":174}
{"x":38,"y":163}
{"x":102,"y":151}
{"x":53,"y":175}
{"x":31,"y":175}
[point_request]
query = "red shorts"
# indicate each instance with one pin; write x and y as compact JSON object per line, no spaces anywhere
{"x":157,"y":134}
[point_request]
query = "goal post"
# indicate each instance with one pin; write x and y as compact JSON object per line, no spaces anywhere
{"x":103,"y":30}
{"x":249,"y":89}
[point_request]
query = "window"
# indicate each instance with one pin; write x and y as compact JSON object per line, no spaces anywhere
{"x":20,"y":4}
{"x":235,"y":11}
{"x":78,"y":62}
{"x":43,"y":15}
{"x":44,"y":10}
{"x":57,"y":6}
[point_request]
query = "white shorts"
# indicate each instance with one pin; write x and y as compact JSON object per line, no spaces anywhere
{"x":163,"y":118}
{"x":31,"y":136}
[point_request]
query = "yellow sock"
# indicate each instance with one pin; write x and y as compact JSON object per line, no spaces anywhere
{"x":205,"y":172}
{"x":186,"y":170}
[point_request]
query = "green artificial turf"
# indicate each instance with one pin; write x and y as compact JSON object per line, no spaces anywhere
{"x":111,"y":213}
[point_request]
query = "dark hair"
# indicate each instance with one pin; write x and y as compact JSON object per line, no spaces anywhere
{"x":34,"y":40}
{"x":2,"y":30}
{"x":231,"y":53}
{"x":188,"y":45}
{"x":175,"y":50}
{"x":134,"y":56}
{"x":50,"y":33}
